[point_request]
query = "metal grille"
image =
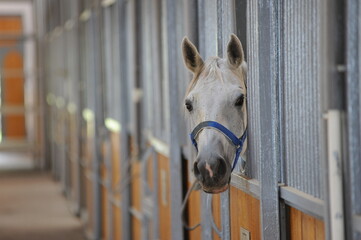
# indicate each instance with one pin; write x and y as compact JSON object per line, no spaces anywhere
{"x":301,"y":96}
{"x":253,"y":89}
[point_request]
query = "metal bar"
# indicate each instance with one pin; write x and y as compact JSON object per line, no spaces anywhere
{"x":175,"y":154}
{"x":353,"y":89}
{"x":327,"y":63}
{"x":124,"y":139}
{"x":136,"y":213}
{"x":208,"y":47}
{"x":303,"y":201}
{"x":225,"y":26}
{"x":146,"y":204}
{"x":96,"y":90}
{"x":335,"y":177}
{"x":269,"y":79}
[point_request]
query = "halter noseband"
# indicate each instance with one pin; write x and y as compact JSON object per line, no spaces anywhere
{"x":237,"y":142}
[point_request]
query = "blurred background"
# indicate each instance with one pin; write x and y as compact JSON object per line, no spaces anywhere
{"x":93,"y":141}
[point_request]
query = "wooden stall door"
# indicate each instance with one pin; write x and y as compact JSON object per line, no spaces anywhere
{"x":12,"y":79}
{"x":245,"y":214}
{"x":303,"y":226}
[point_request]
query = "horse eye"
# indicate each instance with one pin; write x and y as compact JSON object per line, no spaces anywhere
{"x":189,"y":106}
{"x":239,"y":101}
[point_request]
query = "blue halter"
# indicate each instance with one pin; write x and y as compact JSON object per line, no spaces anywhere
{"x":238,"y":142}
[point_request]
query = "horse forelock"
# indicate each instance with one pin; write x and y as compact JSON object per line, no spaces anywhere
{"x":213,"y":68}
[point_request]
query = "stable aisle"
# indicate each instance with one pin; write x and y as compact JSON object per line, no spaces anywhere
{"x":33,"y":208}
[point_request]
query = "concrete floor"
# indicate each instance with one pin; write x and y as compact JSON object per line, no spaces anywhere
{"x":33,"y":208}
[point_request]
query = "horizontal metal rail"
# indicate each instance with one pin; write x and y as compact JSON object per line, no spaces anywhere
{"x":302,"y":201}
{"x":249,"y":186}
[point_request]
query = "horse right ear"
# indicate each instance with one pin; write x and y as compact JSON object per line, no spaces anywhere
{"x":191,"y":57}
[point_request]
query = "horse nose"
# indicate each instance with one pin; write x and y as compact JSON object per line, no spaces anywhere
{"x":207,"y":170}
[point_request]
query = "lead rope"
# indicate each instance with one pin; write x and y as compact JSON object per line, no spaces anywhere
{"x":185,"y":224}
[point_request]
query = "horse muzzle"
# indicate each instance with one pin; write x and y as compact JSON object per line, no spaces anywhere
{"x":213,"y":173}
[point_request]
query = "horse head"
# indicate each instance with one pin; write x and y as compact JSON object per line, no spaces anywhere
{"x":215,"y":106}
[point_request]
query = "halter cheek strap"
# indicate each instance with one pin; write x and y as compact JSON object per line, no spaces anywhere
{"x":237,"y":142}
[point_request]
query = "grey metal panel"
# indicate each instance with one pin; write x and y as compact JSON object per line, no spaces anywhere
{"x":302,"y":201}
{"x":115,"y":61}
{"x":124,"y":135}
{"x":73,"y":75}
{"x":147,"y":67}
{"x":254,"y":136}
{"x":96,"y":100}
{"x":353,"y":164}
{"x":166,"y":66}
{"x":108,"y":68}
{"x":268,"y":91}
{"x":130,"y":62}
{"x":226,"y":26}
{"x":301,"y":96}
{"x":173,"y":96}
{"x":207,"y":48}
{"x":158,"y":57}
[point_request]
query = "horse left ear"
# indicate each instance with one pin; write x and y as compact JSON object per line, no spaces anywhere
{"x":235,"y":55}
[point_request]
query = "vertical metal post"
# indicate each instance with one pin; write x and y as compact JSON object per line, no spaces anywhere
{"x":268,"y":88}
{"x":175,"y":154}
{"x":207,"y":40}
{"x":124,"y":138}
{"x":225,"y":26}
{"x":353,"y":89}
{"x":97,"y":105}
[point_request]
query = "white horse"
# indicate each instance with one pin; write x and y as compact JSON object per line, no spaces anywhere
{"x":215,"y":106}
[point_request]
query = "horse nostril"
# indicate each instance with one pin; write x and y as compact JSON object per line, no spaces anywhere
{"x":222,"y":167}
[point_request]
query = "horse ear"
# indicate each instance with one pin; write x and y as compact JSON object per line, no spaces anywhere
{"x":191,"y":57}
{"x":235,"y":53}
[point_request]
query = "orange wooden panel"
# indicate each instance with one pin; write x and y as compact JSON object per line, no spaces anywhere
{"x":116,"y":178}
{"x":150,"y":172}
{"x":13,"y":95}
{"x":295,"y":224}
{"x":320,"y":229}
{"x":104,"y":203}
{"x":14,"y":126}
{"x":308,"y":227}
{"x":89,"y":203}
{"x":10,"y":25}
{"x":13,"y":84}
{"x":115,"y":145}
{"x":194,"y":214}
{"x":117,"y":221}
{"x":164,"y":198}
{"x":245,"y":213}
{"x":304,"y":226}
{"x":136,"y":228}
{"x":136,"y":199}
